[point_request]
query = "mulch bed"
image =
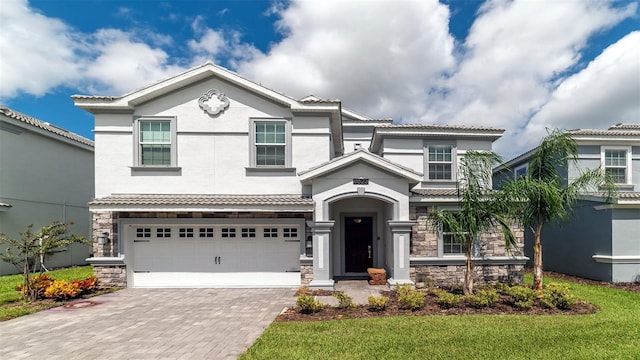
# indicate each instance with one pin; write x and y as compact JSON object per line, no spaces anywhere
{"x":503,"y":307}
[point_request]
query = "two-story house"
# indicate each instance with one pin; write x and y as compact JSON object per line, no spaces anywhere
{"x":207,"y":179}
{"x":602,"y":239}
{"x":46,"y":175}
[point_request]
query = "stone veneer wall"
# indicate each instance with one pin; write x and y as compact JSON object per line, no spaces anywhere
{"x":306,"y":274}
{"x":111,"y":276}
{"x":425,"y":244}
{"x":106,"y":221}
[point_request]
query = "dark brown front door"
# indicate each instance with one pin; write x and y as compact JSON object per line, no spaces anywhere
{"x":358,"y":241}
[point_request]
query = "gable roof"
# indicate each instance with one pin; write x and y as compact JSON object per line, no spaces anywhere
{"x":433,"y":130}
{"x":126,"y":103}
{"x":42,"y":125}
{"x":356,"y":156}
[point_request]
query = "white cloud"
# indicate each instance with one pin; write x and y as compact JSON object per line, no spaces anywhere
{"x":123,"y":64}
{"x":37,"y":52}
{"x":606,"y":92}
{"x":379,"y":57}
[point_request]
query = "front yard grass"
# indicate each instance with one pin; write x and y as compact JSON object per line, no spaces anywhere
{"x":11,"y":304}
{"x":611,"y":333}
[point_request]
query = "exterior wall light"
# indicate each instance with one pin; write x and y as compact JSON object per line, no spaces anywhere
{"x":308,"y":246}
{"x":103,"y":238}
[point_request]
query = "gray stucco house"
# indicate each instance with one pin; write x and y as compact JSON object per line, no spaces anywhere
{"x":602,"y":240}
{"x":207,"y":179}
{"x":46,"y":175}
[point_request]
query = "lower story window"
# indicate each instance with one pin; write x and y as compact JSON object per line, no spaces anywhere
{"x":450,"y":245}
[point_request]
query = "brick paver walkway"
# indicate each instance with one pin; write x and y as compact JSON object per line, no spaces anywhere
{"x":148,"y":324}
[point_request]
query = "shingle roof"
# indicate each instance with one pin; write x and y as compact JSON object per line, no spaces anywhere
{"x":200,"y":200}
{"x":44,"y":125}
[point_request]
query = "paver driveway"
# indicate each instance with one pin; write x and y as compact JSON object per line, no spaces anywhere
{"x":147,"y":324}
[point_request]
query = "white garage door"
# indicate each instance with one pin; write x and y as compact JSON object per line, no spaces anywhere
{"x":216,"y":256}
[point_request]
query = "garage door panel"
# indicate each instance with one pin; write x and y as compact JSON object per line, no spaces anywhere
{"x":193,"y":256}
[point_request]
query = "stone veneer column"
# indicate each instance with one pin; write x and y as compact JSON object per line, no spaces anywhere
{"x":321,"y":254}
{"x":401,"y":232}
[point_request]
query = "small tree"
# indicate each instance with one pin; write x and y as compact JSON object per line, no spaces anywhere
{"x":542,"y":193}
{"x":480,"y":209}
{"x":32,"y":248}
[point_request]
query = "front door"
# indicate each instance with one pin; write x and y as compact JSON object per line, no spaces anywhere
{"x":358,"y":240}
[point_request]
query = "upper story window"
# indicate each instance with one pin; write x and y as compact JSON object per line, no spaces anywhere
{"x":155,"y":141}
{"x":270,"y":143}
{"x":617,"y":164}
{"x":440,"y":162}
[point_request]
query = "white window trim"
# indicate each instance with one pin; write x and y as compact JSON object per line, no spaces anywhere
{"x":523,"y":166}
{"x":441,"y":253}
{"x":252,"y":143}
{"x":137,"y":160}
{"x":629,"y":171}
{"x":454,"y":161}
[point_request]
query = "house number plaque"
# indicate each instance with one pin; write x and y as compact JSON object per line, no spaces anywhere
{"x":360,"y":181}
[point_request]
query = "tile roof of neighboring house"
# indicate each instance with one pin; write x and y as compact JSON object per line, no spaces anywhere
{"x":616,"y":130}
{"x":439,"y":127}
{"x":201,"y":200}
{"x":44,"y":125}
{"x":625,"y":126}
{"x":628,"y":195}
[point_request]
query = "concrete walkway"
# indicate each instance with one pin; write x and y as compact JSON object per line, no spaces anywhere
{"x":358,"y":290}
{"x":147,"y":324}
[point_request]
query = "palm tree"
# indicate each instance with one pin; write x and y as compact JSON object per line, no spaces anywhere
{"x":542,"y":193}
{"x":480,"y":209}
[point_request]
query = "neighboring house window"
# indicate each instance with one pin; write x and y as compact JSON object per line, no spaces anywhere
{"x":155,"y":141}
{"x":440,"y":162}
{"x":270,"y":143}
{"x":520,"y":171}
{"x":616,"y":164}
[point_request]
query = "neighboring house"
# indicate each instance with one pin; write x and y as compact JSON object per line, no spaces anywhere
{"x":207,"y":179}
{"x":602,"y":239}
{"x":46,"y":175}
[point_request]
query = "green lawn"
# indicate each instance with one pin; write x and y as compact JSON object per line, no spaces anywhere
{"x":10,"y":304}
{"x":612,"y":333}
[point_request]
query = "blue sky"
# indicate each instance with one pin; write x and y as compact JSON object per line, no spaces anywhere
{"x":524,"y":65}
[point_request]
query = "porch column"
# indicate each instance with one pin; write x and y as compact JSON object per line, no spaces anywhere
{"x":321,"y":254}
{"x":401,"y":232}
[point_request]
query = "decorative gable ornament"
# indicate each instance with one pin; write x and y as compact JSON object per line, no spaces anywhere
{"x":213,"y":102}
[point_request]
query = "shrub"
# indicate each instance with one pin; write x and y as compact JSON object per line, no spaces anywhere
{"x":87,"y":285}
{"x":38,"y":285}
{"x":556,"y":295}
{"x":410,"y":298}
{"x":344,"y":300}
{"x":308,"y":304}
{"x":378,"y":303}
{"x":62,"y":290}
{"x":483,"y":298}
{"x":446,"y":299}
{"x":522,"y":297}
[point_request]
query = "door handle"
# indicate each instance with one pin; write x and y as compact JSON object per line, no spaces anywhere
{"x":369,"y":250}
